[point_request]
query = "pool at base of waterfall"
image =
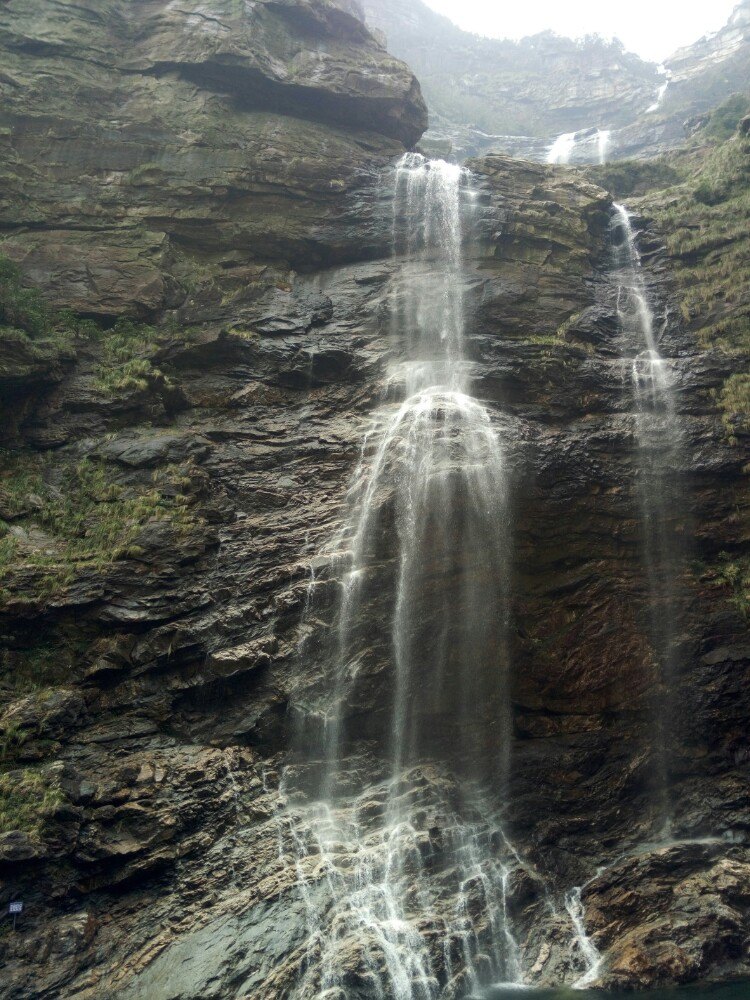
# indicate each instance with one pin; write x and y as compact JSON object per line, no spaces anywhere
{"x":725,"y":991}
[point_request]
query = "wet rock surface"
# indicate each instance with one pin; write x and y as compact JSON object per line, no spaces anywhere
{"x":164,"y":864}
{"x":695,"y":896}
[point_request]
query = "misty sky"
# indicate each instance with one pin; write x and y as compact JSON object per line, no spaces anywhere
{"x":652,"y":28}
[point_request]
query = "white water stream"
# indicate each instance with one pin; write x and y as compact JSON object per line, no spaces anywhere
{"x":562,"y":148}
{"x":588,"y":145}
{"x":591,"y":955}
{"x":659,"y":463}
{"x":661,"y":92}
{"x":405,"y":882}
{"x":603,"y":141}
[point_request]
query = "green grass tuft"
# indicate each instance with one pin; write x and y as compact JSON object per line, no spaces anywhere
{"x":733,"y":573}
{"x":86,"y":519}
{"x":27,"y":799}
{"x":706,"y":223}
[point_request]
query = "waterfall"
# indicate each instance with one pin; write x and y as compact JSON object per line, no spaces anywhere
{"x":399,"y":854}
{"x":603,"y":139}
{"x":562,"y":148}
{"x":659,"y":463}
{"x":661,"y":92}
{"x":590,"y":953}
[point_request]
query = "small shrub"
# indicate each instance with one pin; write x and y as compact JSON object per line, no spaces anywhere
{"x":20,"y":307}
{"x":125,"y":366}
{"x":625,"y":178}
{"x":723,"y":121}
{"x":733,"y":572}
{"x":707,"y":194}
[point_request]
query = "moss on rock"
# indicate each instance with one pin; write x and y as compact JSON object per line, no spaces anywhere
{"x":83,"y":517}
{"x":28,"y":797}
{"x":706,"y":223}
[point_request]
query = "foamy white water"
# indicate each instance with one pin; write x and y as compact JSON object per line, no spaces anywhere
{"x":603,"y":141}
{"x":562,"y":148}
{"x":428,"y":520}
{"x":661,"y":92}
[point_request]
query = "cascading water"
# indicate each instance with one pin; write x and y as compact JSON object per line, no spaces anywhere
{"x":587,"y":948}
{"x":659,"y":465}
{"x":562,"y":148}
{"x":658,"y":468}
{"x":661,"y":92}
{"x":603,"y":140}
{"x":405,"y":882}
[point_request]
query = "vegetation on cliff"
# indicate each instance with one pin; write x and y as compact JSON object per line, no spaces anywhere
{"x":699,"y":198}
{"x":733,"y":574}
{"x":59,"y":512}
{"x":64,"y":516}
{"x":125,"y":350}
{"x":156,"y":556}
{"x":27,"y":797}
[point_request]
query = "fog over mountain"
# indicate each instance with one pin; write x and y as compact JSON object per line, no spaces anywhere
{"x":652,"y":30}
{"x":480,"y":91}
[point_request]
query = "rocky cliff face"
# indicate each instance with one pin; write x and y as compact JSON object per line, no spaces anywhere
{"x":168,"y":481}
{"x":492,"y":94}
{"x":158,"y":140}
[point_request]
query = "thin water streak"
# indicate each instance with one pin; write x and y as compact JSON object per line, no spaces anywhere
{"x":659,"y":464}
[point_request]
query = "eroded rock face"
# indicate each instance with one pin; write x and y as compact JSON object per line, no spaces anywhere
{"x":163,"y":854}
{"x":694,"y":898}
{"x":147,"y":144}
{"x":165,"y":864}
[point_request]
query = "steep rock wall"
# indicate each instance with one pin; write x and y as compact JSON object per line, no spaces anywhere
{"x":143,"y":142}
{"x":146,"y":693}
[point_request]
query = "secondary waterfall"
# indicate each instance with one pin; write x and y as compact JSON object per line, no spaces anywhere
{"x":659,"y":464}
{"x":603,"y":140}
{"x":400,"y":859}
{"x":661,"y":92}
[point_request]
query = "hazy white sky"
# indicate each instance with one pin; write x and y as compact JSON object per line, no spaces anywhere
{"x":652,"y":28}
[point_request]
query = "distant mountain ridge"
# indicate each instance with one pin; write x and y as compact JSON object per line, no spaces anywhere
{"x":487,"y":93}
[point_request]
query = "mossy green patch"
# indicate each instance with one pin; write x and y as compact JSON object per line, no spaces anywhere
{"x":723,"y":121}
{"x":126,"y":349}
{"x":706,"y":223}
{"x":28,"y":798}
{"x":24,"y":313}
{"x":126,"y":364}
{"x":48,"y":663}
{"x":625,"y":178}
{"x":79,"y":516}
{"x":734,"y":400}
{"x":21,"y":308}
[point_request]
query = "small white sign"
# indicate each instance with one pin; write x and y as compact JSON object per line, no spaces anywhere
{"x":15,"y":907}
